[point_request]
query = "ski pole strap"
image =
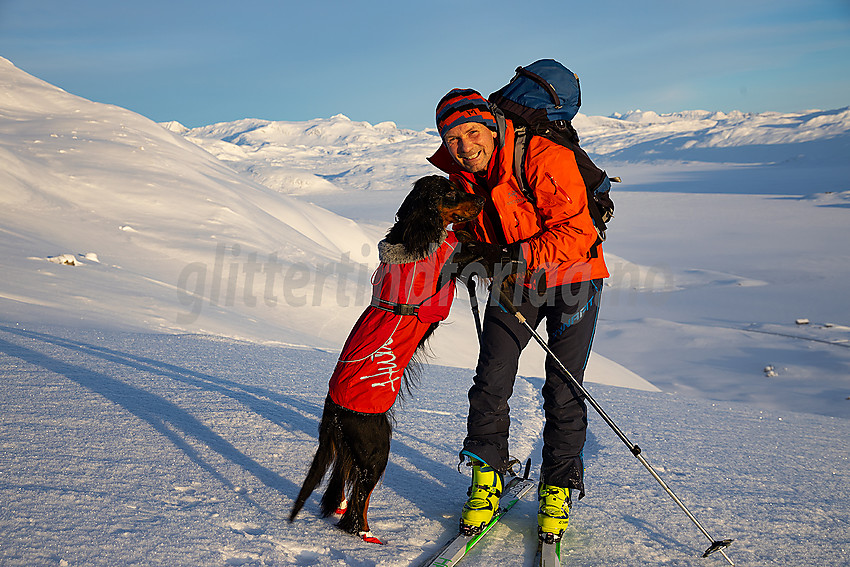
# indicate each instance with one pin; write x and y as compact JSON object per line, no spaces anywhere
{"x":393,"y":307}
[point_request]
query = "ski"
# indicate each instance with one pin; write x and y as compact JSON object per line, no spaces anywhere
{"x":460,"y":544}
{"x":548,"y":554}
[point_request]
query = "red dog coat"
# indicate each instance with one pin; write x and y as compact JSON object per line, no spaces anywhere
{"x":405,"y":302}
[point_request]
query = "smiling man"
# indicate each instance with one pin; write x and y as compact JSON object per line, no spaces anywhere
{"x":547,"y":239}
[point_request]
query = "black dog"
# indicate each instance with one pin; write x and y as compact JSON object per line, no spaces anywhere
{"x":379,"y":356}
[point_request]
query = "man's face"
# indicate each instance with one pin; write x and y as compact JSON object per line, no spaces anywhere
{"x":471,"y":145}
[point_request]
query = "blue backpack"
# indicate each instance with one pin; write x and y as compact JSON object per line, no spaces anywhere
{"x":541,"y":100}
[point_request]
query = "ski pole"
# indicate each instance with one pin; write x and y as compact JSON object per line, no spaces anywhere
{"x":716,"y":545}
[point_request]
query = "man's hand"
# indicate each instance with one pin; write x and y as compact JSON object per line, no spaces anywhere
{"x":496,"y":260}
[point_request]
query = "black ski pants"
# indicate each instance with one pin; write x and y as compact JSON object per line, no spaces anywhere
{"x":570,"y":312}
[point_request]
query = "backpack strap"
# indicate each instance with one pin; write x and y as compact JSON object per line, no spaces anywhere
{"x":544,"y":84}
{"x":521,"y":137}
{"x":501,"y":127}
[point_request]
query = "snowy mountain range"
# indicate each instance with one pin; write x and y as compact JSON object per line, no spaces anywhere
{"x":173,"y":300}
{"x":282,"y":154}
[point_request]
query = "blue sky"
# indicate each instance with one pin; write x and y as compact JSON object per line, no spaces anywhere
{"x":215,"y":61}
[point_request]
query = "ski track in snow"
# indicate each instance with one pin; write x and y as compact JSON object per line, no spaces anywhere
{"x":188,"y":450}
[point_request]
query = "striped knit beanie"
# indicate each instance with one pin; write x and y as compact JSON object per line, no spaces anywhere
{"x":460,"y":106}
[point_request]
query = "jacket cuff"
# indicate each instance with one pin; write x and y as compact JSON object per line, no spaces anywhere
{"x":524,"y":253}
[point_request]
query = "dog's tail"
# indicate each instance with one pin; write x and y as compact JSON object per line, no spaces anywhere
{"x":325,"y":455}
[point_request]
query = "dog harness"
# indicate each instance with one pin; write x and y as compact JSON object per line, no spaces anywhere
{"x":407,"y":297}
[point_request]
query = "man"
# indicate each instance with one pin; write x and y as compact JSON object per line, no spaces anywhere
{"x":549,"y":245}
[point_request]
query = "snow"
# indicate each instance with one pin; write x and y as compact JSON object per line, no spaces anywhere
{"x":173,"y":301}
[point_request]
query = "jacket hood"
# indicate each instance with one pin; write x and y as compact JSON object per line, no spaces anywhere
{"x":444,"y":161}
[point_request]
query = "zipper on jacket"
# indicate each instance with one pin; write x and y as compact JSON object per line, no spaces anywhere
{"x":558,"y":187}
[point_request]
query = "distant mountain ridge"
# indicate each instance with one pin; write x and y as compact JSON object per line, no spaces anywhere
{"x":760,"y":138}
{"x":282,"y":155}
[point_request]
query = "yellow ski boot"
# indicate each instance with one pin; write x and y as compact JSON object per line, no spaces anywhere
{"x":553,"y":513}
{"x":483,"y":498}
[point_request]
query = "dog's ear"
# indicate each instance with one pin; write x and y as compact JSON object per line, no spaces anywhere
{"x":416,"y":200}
{"x":418,"y":221}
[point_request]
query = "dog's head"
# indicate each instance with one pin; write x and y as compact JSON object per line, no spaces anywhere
{"x":432,"y":205}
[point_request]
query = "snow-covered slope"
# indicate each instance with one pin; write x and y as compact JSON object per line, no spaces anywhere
{"x":166,"y":221}
{"x":186,"y":451}
{"x":110,"y":219}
